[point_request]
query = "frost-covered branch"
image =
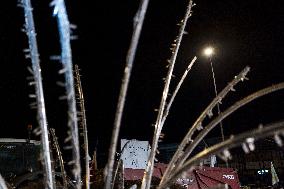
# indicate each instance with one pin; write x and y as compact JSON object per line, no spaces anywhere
{"x":246,"y":139}
{"x":169,"y":105}
{"x":222,"y":116}
{"x":2,"y":183}
{"x":66,"y":58}
{"x":36,"y":71}
{"x":83,"y":125}
{"x":138,"y":23}
{"x":60,"y":158}
{"x":207,"y":112}
{"x":146,"y":182}
{"x":174,"y":95}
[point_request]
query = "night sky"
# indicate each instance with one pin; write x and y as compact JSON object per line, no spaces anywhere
{"x":242,"y":32}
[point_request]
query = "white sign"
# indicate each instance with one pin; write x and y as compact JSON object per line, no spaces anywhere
{"x":135,"y":153}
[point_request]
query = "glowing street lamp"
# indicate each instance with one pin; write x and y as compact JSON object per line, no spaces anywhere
{"x":209,"y":51}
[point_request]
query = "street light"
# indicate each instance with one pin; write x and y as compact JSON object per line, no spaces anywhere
{"x":208,"y":52}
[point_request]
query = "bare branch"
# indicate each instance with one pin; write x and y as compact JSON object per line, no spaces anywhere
{"x":169,"y":105}
{"x":198,"y":123}
{"x":146,"y":182}
{"x":138,"y":23}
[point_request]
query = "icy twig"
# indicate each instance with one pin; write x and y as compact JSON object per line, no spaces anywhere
{"x":138,"y":23}
{"x":146,"y":182}
{"x":169,"y":105}
{"x":66,"y":58}
{"x":40,"y":105}
{"x":198,"y":123}
{"x":2,"y":183}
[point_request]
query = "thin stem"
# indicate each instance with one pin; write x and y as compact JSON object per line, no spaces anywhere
{"x":169,"y":105}
{"x":115,"y":173}
{"x":146,"y":182}
{"x":41,"y":112}
{"x":198,"y":123}
{"x":172,"y":99}
{"x":83,"y":125}
{"x":119,"y":162}
{"x":139,"y":19}
{"x":59,"y":155}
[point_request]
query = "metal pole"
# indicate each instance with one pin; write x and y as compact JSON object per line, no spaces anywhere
{"x":218,"y":104}
{"x":216,"y":93}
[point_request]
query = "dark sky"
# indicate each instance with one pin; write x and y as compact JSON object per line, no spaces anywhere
{"x":243,"y":33}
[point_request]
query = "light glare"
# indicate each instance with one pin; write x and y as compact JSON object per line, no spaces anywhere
{"x":208,"y":51}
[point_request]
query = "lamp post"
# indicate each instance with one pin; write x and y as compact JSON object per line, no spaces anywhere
{"x":208,"y":52}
